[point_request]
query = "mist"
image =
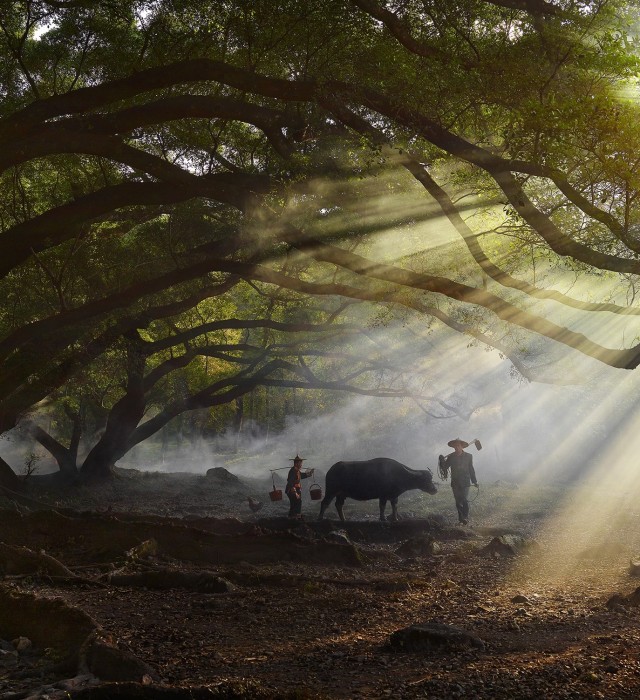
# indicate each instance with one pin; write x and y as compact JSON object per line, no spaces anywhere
{"x":529,"y":431}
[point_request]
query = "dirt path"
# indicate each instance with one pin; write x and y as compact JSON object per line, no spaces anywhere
{"x":321,"y":629}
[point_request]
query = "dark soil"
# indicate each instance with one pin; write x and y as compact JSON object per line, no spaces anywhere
{"x":307,"y":609}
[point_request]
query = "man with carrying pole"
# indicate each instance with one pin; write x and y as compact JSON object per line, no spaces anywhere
{"x":294,"y":487}
{"x":462,"y":475}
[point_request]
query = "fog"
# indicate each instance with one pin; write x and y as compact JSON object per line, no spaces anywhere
{"x":578,"y":438}
{"x":529,"y":431}
{"x":559,"y":419}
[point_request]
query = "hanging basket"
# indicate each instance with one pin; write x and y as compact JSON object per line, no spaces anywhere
{"x":276,"y":494}
{"x":315,"y":492}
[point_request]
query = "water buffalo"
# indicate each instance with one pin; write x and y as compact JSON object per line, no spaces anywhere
{"x":381,"y":478}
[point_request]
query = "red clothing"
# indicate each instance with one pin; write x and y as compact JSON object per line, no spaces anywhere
{"x":294,"y":491}
{"x":293,"y":480}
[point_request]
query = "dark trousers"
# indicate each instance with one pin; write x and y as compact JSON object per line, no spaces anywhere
{"x":295,"y":504}
{"x":461,"y":494}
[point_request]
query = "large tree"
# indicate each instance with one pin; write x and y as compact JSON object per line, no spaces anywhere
{"x":156,"y":152}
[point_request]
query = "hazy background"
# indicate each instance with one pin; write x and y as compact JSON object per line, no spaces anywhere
{"x":526,"y":429}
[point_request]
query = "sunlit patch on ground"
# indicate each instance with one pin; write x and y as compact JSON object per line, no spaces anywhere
{"x":592,"y":531}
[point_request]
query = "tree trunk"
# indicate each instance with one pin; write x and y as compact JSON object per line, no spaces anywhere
{"x":165,"y":444}
{"x":267,"y":414}
{"x":122,"y":421}
{"x":101,"y":460}
{"x":238,"y":420}
{"x":66,"y":458}
{"x":9,"y":479}
{"x":76,"y":434}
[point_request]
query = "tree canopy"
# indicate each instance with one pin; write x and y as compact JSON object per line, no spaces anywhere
{"x":225,"y":179}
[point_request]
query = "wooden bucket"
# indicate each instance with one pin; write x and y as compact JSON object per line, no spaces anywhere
{"x":315,"y":492}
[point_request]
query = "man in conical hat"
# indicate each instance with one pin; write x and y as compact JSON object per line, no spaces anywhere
{"x":462,"y":476}
{"x":294,"y":487}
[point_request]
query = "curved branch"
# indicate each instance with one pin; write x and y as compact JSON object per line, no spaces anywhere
{"x":533,"y":7}
{"x":29,"y":393}
{"x":86,"y":99}
{"x":73,"y":318}
{"x":310,"y":91}
{"x":628,"y":359}
{"x":88,"y":133}
{"x":400,"y":31}
{"x":219,"y":393}
{"x":488,"y":267}
{"x":420,"y":173}
{"x":181,"y":107}
{"x":64,"y":222}
{"x":53,"y":140}
{"x":240,"y":324}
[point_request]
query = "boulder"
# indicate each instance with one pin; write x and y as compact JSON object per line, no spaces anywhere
{"x":421,"y":546}
{"x":629,"y":601}
{"x":433,"y":636}
{"x":222,"y":474}
{"x":508,"y":546}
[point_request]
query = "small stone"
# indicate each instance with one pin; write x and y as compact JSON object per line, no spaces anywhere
{"x":21,"y":644}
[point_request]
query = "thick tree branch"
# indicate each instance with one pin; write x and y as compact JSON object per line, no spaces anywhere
{"x":533,"y":7}
{"x":628,"y":359}
{"x":64,"y":456}
{"x":87,"y":99}
{"x":64,"y":222}
{"x":498,"y":168}
{"x":420,"y":173}
{"x":400,"y":31}
{"x":74,"y":319}
{"x":241,"y":324}
{"x":28,"y":393}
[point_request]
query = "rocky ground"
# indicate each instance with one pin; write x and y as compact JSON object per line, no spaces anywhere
{"x":194,"y":590}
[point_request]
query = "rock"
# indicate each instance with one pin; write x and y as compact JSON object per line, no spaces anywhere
{"x":6,"y":646}
{"x":420,"y":546}
{"x":109,"y":663}
{"x":633,"y":599}
{"x":21,"y":644}
{"x":508,"y":546}
{"x":22,"y":560}
{"x":618,"y":601}
{"x":202,"y":581}
{"x":634,"y":568}
{"x":148,"y":548}
{"x":48,"y":622}
{"x":339,"y":536}
{"x":520,"y":599}
{"x":605,"y":551}
{"x":433,"y":636}
{"x":222,"y":474}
